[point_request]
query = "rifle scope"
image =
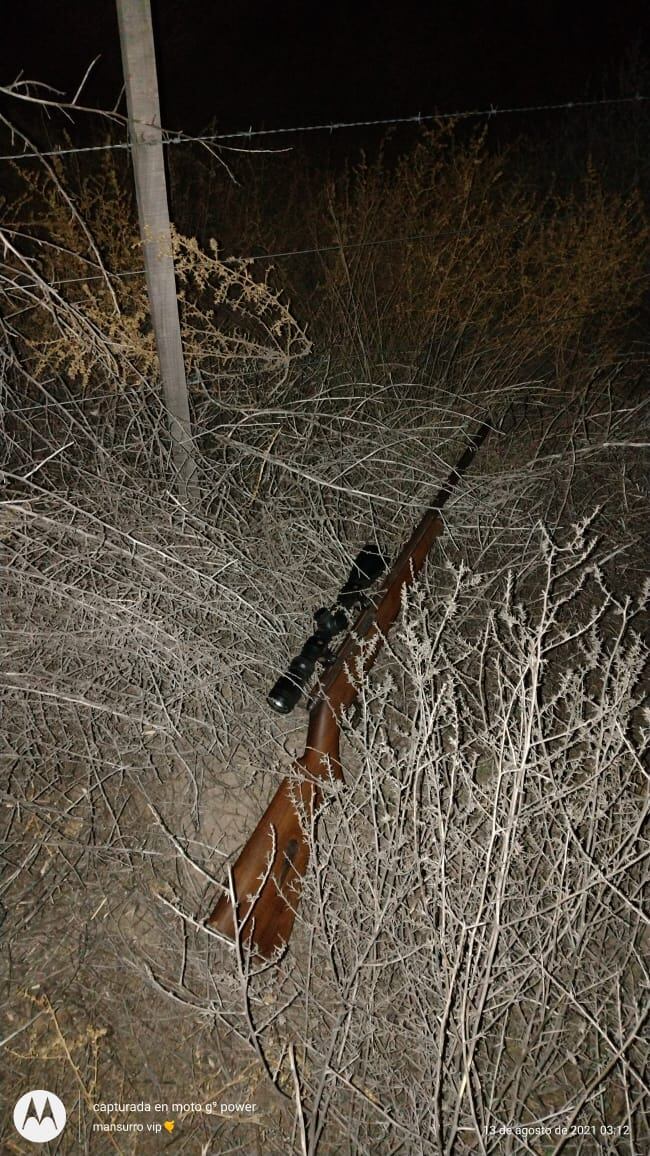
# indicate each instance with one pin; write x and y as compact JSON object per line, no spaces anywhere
{"x":366,"y":569}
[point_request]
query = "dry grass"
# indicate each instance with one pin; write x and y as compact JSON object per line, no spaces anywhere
{"x":470,"y":955}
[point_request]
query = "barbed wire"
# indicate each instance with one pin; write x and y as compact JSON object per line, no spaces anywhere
{"x":419,"y":118}
{"x":341,"y":246}
{"x":169,"y":138}
{"x":337,"y":248}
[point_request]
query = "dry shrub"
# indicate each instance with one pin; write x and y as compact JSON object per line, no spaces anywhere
{"x":534,"y":271}
{"x":447,"y":255}
{"x":469,"y":957}
{"x":456,"y":247}
{"x":68,"y":314}
{"x":476,"y":932}
{"x":469,"y":953}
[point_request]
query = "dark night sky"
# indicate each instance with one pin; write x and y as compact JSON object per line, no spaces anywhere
{"x":264,"y":64}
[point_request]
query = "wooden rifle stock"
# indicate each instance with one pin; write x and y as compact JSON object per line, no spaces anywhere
{"x":267,"y":877}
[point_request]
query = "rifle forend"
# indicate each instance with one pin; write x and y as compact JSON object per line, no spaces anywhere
{"x":267,"y":878}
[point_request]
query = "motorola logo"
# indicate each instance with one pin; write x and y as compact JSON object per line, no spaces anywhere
{"x":39,"y":1116}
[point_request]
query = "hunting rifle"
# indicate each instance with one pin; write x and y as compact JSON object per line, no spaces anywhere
{"x":267,"y":878}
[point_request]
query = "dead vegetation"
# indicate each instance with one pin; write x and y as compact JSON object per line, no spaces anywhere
{"x":468,"y":972}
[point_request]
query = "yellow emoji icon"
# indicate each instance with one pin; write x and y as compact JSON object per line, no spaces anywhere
{"x":169,"y":1124}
